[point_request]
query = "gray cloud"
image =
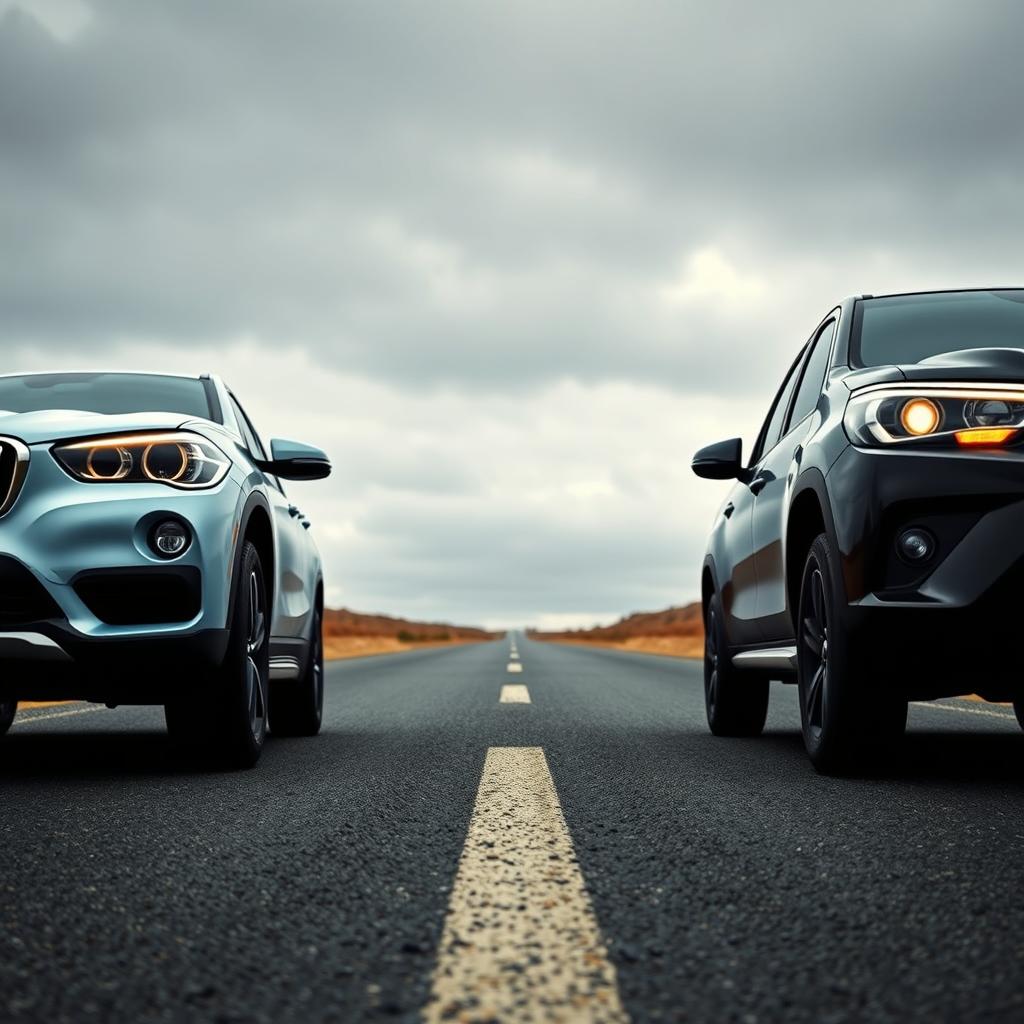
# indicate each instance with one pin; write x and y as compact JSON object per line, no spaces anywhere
{"x":478,"y":203}
{"x":465,"y":191}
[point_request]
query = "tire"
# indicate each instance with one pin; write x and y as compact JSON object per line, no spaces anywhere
{"x":736,"y":703}
{"x":849,"y":725}
{"x":298,"y":704}
{"x":229,"y":722}
{"x":8,"y":709}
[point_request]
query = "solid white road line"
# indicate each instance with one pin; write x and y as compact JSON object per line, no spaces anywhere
{"x":1006,"y":716}
{"x":514,"y":693}
{"x":24,"y":718}
{"x":521,"y":942}
{"x":515,"y":666}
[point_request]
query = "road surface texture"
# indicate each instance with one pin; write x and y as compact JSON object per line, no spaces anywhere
{"x":576,"y":847}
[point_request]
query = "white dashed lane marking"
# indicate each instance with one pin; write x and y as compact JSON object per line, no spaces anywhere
{"x":514,"y":693}
{"x":520,"y":941}
{"x":1006,"y":715}
{"x":27,"y":717}
{"x":515,"y":666}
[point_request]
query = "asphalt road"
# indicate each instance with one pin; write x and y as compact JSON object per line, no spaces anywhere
{"x":728,"y":880}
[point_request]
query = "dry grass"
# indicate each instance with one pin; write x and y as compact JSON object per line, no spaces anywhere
{"x":349,"y":634}
{"x":673,"y":646}
{"x":677,"y":632}
{"x":345,"y":622}
{"x":336,"y":647}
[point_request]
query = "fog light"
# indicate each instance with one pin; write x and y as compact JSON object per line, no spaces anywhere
{"x":915,"y":545}
{"x":170,"y":538}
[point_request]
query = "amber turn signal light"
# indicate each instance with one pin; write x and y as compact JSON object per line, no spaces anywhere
{"x":984,"y":435}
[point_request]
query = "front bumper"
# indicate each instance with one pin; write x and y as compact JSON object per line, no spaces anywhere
{"x":87,"y":624}
{"x":953,"y":626}
{"x":50,"y":661}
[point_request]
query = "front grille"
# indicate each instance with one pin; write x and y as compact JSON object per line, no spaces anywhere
{"x":23,"y":599}
{"x":13,"y":467}
{"x":141,"y":597}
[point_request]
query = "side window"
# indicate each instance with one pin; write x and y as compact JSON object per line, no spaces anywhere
{"x":252,"y":441}
{"x":251,"y":438}
{"x":814,"y":374}
{"x":772,"y":429}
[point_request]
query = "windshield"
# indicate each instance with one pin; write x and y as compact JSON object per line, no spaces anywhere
{"x":904,"y":329}
{"x":108,"y":393}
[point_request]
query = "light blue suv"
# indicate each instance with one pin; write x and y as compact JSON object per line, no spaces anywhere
{"x":150,"y":555}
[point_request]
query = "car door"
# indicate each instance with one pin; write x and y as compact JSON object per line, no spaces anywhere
{"x":735,"y":562}
{"x":772,"y":482}
{"x":296,"y":553}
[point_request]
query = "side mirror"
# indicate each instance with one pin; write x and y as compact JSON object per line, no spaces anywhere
{"x":294,"y":461}
{"x":721,"y":461}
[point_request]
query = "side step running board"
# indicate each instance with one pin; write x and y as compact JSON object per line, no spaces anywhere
{"x":767,"y":658}
{"x":284,"y":666}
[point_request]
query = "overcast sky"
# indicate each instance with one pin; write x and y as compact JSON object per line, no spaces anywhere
{"x":509,"y":263}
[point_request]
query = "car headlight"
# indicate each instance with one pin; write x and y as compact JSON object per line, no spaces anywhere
{"x":935,"y":417}
{"x":177,"y":459}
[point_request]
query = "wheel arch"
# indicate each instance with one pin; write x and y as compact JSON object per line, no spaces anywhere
{"x":810,"y":514}
{"x":707,"y":588}
{"x":256,"y":525}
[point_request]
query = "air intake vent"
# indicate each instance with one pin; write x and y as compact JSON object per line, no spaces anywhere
{"x":13,"y":467}
{"x":134,"y":597}
{"x":23,"y":599}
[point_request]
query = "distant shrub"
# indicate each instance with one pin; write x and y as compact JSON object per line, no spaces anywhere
{"x":406,"y":636}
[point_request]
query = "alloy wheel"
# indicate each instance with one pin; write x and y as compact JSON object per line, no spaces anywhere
{"x":711,"y":662}
{"x":814,"y":651}
{"x":318,"y":667}
{"x":255,"y":684}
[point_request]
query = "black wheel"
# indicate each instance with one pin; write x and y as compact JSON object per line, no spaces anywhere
{"x":8,"y":708}
{"x":848,"y":721}
{"x":298,"y":704}
{"x":230,"y":720}
{"x":736,"y":704}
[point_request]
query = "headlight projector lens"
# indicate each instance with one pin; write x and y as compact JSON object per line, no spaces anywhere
{"x":108,"y":463}
{"x":915,"y":545}
{"x":170,"y":538}
{"x":920,"y":416}
{"x":165,"y":461}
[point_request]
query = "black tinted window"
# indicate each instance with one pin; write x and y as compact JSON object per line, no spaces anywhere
{"x":108,"y":393}
{"x":773,"y":428}
{"x":909,"y":328}
{"x":249,"y":435}
{"x":814,"y":374}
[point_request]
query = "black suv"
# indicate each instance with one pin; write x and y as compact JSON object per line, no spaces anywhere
{"x":872,"y":549}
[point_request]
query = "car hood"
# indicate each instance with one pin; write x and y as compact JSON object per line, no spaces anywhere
{"x":62,"y":424}
{"x":1001,"y":365}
